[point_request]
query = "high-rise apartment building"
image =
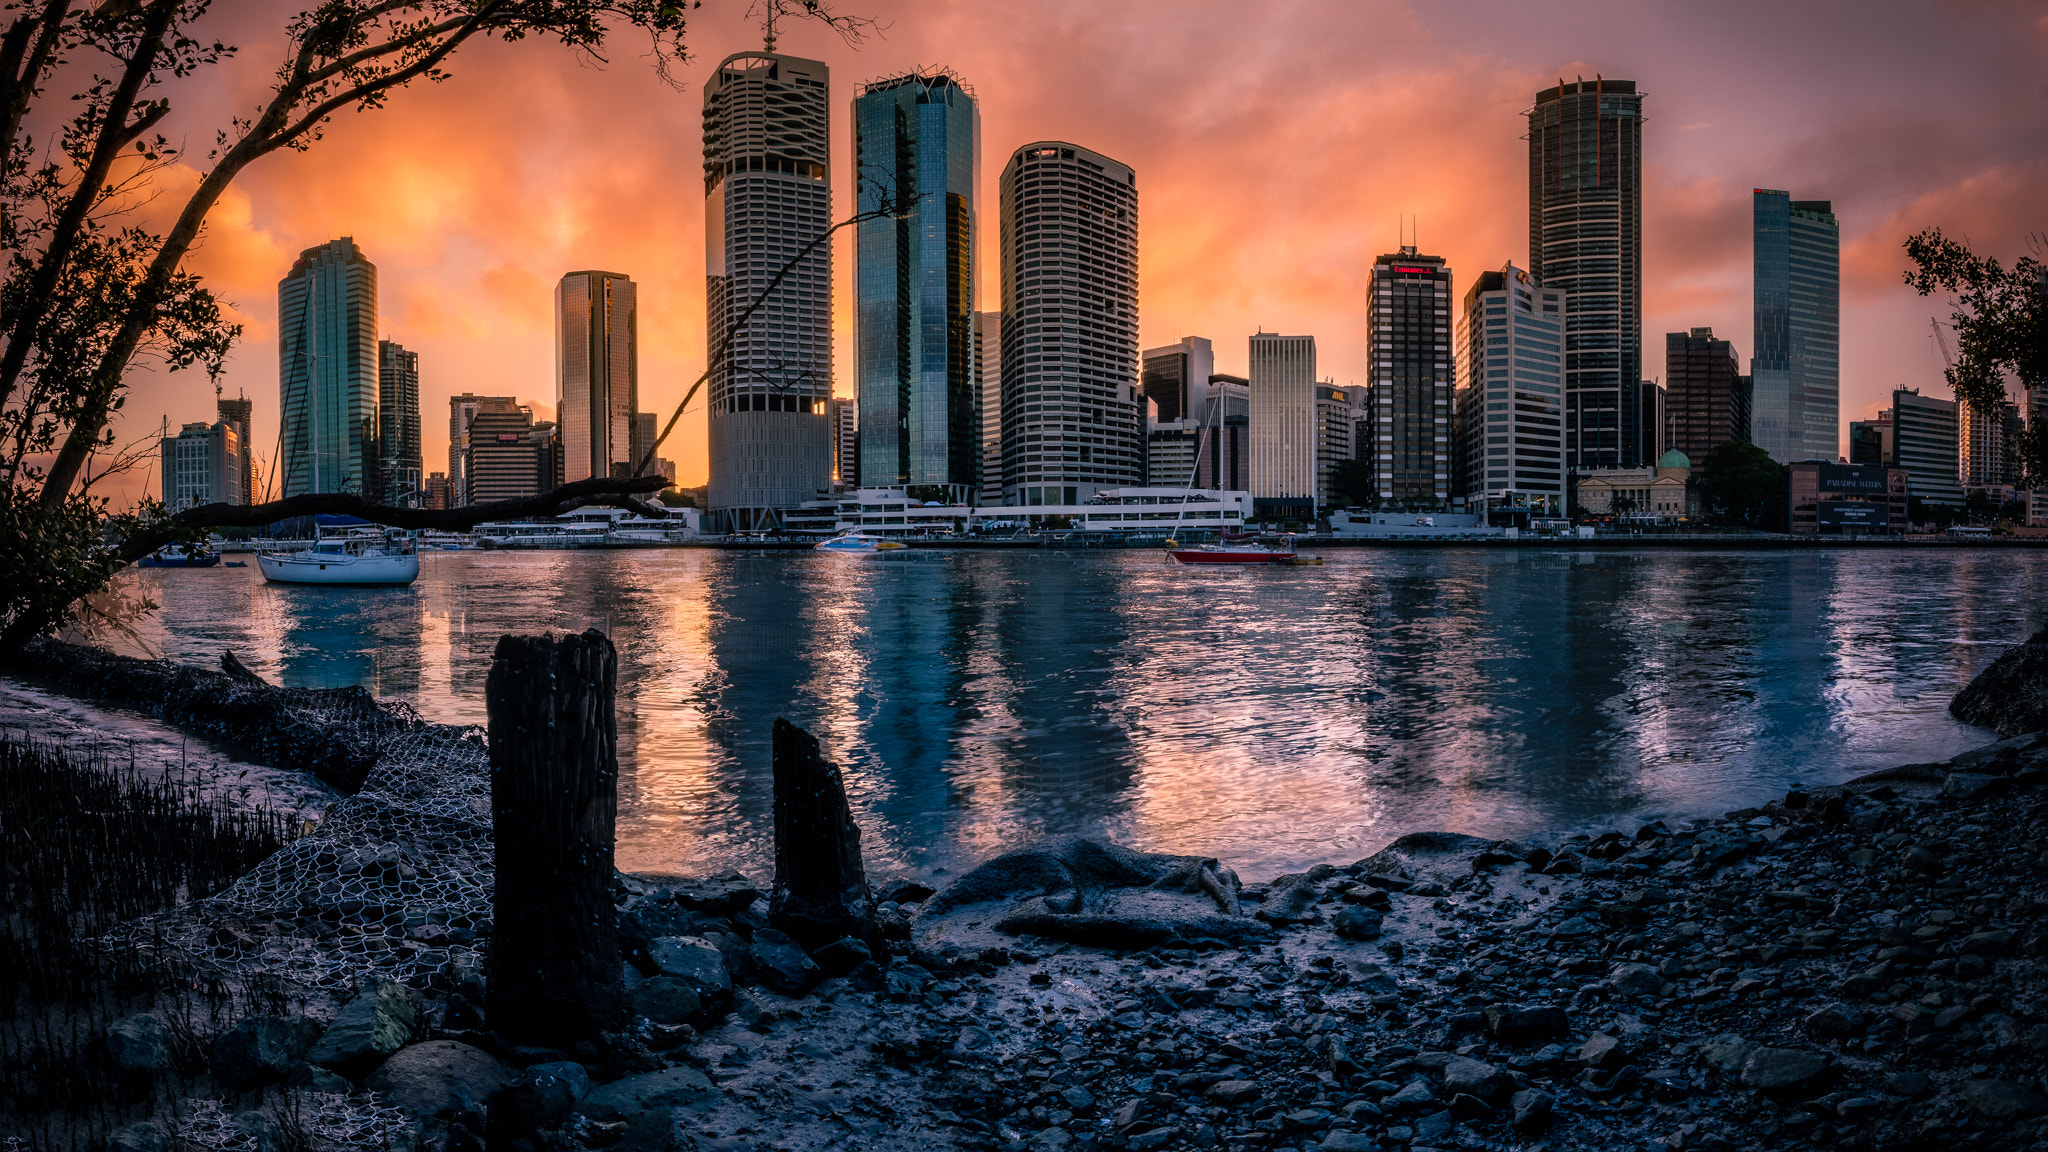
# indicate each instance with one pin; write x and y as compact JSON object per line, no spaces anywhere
{"x":237,"y":414}
{"x":597,"y":372}
{"x":917,"y":149}
{"x":462,"y":411}
{"x":1072,"y":422}
{"x":1585,"y":239}
{"x":1335,"y":415}
{"x":1925,"y":444}
{"x":1410,"y":378}
{"x":1988,"y":435}
{"x":1283,"y":418}
{"x":1176,"y":378}
{"x":398,"y":424}
{"x":988,"y":359}
{"x":1707,"y":397}
{"x":846,"y":442}
{"x":327,"y":370}
{"x":1510,"y":422}
{"x":202,"y":464}
{"x":767,"y":196}
{"x":1798,"y":326}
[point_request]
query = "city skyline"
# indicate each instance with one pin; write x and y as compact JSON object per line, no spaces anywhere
{"x":1305,"y":242}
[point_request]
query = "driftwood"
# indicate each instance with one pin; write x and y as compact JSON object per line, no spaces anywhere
{"x":821,"y":889}
{"x":554,"y":975}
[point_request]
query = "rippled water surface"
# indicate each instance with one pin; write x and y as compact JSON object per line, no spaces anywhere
{"x":1272,"y":718}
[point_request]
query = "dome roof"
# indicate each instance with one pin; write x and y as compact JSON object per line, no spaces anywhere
{"x":1674,"y":459}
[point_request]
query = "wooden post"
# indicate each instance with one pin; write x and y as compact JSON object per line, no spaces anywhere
{"x":821,"y":889}
{"x":554,"y":973}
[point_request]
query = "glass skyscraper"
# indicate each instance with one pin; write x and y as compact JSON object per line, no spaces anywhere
{"x":1411,"y":379}
{"x":767,"y":196}
{"x":597,"y":374}
{"x":916,"y":148}
{"x":1585,"y":240}
{"x":1795,"y":408}
{"x":327,"y":370}
{"x":1511,"y":397}
{"x":398,"y":422}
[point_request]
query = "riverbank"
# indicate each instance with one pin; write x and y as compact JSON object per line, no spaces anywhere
{"x":1849,"y":967}
{"x":1687,"y":542}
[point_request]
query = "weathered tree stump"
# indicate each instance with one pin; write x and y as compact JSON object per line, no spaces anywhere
{"x":821,"y":889}
{"x":554,"y":975}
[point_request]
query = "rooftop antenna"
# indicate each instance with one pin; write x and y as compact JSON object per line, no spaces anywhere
{"x":768,"y":26}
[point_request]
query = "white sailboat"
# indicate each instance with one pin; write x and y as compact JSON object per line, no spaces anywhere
{"x":355,"y":556}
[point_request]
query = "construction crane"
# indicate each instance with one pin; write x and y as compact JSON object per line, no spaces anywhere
{"x":1941,"y":342}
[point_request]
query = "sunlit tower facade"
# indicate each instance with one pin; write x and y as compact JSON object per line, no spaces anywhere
{"x":327,"y":370}
{"x":597,"y":373}
{"x":1410,"y":380}
{"x":1796,"y":403}
{"x":398,"y":423}
{"x":1585,"y":240}
{"x":767,"y":196}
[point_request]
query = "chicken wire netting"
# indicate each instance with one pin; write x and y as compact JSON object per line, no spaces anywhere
{"x":394,"y":882}
{"x":314,"y":1121}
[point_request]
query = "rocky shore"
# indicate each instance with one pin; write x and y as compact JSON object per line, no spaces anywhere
{"x":1854,"y":967}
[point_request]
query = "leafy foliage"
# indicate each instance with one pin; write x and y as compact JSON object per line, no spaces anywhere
{"x":1740,"y":483}
{"x":2000,"y":317}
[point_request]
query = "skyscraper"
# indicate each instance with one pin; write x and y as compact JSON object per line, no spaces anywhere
{"x":1798,"y":325}
{"x":1410,"y":378}
{"x":1511,"y":397}
{"x":398,"y":423}
{"x":988,"y":359}
{"x":846,"y":442}
{"x":1071,"y":416}
{"x":1708,"y":401}
{"x":237,"y":413}
{"x":597,"y":373}
{"x":1225,"y":435}
{"x":1334,"y":418}
{"x":1176,"y":378}
{"x":327,"y":370}
{"x":202,"y":464}
{"x":917,"y":148}
{"x":500,"y":462}
{"x":462,"y":410}
{"x":1585,"y":239}
{"x":1924,"y":443}
{"x":1283,"y":419}
{"x":767,"y":197}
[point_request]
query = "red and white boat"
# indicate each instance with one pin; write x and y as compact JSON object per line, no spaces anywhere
{"x":1246,"y":550}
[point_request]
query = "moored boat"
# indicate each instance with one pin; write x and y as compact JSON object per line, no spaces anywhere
{"x":1245,"y":550}
{"x":859,"y":544}
{"x":178,"y":556}
{"x":358,"y":556}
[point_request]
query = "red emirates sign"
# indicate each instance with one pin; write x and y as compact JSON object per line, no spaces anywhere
{"x":1422,"y":271}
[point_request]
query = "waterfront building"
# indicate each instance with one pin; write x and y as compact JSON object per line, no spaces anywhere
{"x":500,"y":462}
{"x":1924,"y":443}
{"x":845,"y":442}
{"x":1283,"y":424}
{"x":1585,"y":239}
{"x":1987,"y":436}
{"x":1510,"y":400}
{"x":1870,"y":441}
{"x":327,"y":370}
{"x":1170,"y":453}
{"x":1335,"y":415}
{"x":988,"y":359}
{"x":462,"y":410}
{"x":1833,"y":499}
{"x":1709,"y":400}
{"x":1225,"y":433}
{"x":398,"y":424}
{"x":202,"y":464}
{"x":1798,"y":322}
{"x":435,"y":492}
{"x":767,"y":197}
{"x":1410,"y":378}
{"x":237,"y":414}
{"x":1657,"y":494}
{"x":597,"y":372}
{"x":1072,"y":421}
{"x":1160,"y":510}
{"x":917,"y":150}
{"x":1176,"y":378}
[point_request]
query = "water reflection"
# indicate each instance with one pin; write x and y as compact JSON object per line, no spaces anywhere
{"x":1272,"y":718}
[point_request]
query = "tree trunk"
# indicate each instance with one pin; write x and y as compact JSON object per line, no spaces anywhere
{"x":821,"y":890}
{"x":554,"y":974}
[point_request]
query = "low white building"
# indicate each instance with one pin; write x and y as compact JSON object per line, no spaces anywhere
{"x":1409,"y":525}
{"x":891,"y":512}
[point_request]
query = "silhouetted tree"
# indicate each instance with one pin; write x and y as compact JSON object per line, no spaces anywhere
{"x":2000,"y":317}
{"x":1740,"y":482}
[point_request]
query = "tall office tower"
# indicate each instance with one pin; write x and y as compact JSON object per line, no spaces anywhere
{"x":1798,"y":325}
{"x":845,"y":442}
{"x":767,"y":196}
{"x":434,"y":491}
{"x":597,"y":373}
{"x":462,"y":410}
{"x":499,"y":462}
{"x":398,"y":423}
{"x":1924,"y":443}
{"x":202,"y":464}
{"x":646,"y":426}
{"x":1870,"y":441}
{"x":1987,"y":437}
{"x":237,"y":414}
{"x":1653,"y":418}
{"x":1708,"y":401}
{"x":1222,"y":459}
{"x":1585,"y":239}
{"x":917,"y":146}
{"x":1410,"y":378}
{"x":1283,"y":417}
{"x":1176,"y":378}
{"x":327,"y":370}
{"x":988,"y":360}
{"x":1334,"y":416}
{"x":1072,"y":421}
{"x":1511,"y":396}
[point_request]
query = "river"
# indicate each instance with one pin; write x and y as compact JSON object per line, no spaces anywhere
{"x":1272,"y":718}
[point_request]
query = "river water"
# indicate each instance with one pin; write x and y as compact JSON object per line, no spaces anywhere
{"x":1272,"y":718}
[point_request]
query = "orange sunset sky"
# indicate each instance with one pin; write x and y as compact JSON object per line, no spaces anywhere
{"x":1277,"y":143}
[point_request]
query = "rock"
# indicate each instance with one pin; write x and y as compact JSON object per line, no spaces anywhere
{"x":1526,"y":1024}
{"x":1970,"y":785}
{"x":1474,"y":1077}
{"x":1908,"y":1084}
{"x":1996,"y":942}
{"x":139,"y":1045}
{"x":725,"y":896}
{"x":903,"y":890}
{"x":2011,"y":696}
{"x":142,"y":1137}
{"x":1727,"y":1053}
{"x":781,"y":965}
{"x":665,"y":1000}
{"x":1435,"y":1126}
{"x":1349,"y":1142}
{"x":262,"y":1130}
{"x":260,"y":1050}
{"x":1414,"y":1095}
{"x":2002,"y":1100}
{"x":438,"y":1077}
{"x":696,"y":962}
{"x":1602,"y":1051}
{"x":1636,"y":980}
{"x":1233,"y":1091}
{"x":1532,"y":1109}
{"x":1921,"y":860}
{"x":380,"y":1020}
{"x":1837,"y":1022}
{"x":314,"y":1078}
{"x":1290,"y":900}
{"x":1356,"y":923}
{"x":838,"y":957}
{"x":540,"y":1097}
{"x":1858,"y":1107}
{"x":1575,"y":928}
{"x":1771,"y":1069}
{"x":647,"y":1104}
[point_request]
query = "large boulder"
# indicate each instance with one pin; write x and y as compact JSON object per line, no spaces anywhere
{"x":437,"y":1078}
{"x":665,"y":1000}
{"x":260,"y":1050}
{"x":139,"y":1045}
{"x":381,"y":1019}
{"x":2011,"y":696}
{"x":696,"y":962}
{"x":780,"y":965}
{"x":647,"y":1104}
